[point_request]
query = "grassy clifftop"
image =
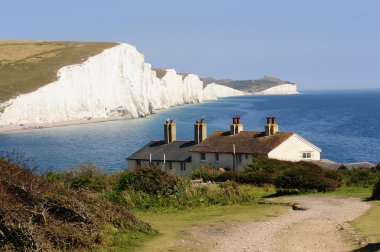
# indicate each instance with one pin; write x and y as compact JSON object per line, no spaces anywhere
{"x":27,"y":65}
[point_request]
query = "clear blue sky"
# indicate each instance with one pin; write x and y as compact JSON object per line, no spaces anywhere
{"x":318,"y":44}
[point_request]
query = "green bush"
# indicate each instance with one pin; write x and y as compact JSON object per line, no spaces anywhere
{"x":85,"y":177}
{"x":206,"y":172}
{"x":152,"y":180}
{"x":305,"y":179}
{"x":376,"y":191}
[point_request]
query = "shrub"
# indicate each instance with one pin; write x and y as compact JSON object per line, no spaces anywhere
{"x":36,"y":215}
{"x":152,"y":180}
{"x":206,"y":172}
{"x":376,"y":191}
{"x":85,"y":177}
{"x":305,"y":179}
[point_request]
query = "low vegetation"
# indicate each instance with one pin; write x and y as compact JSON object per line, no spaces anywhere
{"x":376,"y":191}
{"x":293,"y":177}
{"x":27,"y":65}
{"x":36,"y":215}
{"x":85,"y":209}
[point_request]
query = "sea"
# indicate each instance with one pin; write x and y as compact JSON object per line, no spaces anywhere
{"x":344,"y":124}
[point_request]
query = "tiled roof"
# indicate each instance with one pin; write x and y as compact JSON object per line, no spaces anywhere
{"x":177,"y":151}
{"x":246,"y":142}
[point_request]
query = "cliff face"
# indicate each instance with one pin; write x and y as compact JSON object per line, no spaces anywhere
{"x":116,"y":83}
{"x":269,"y":85}
{"x":281,"y":89}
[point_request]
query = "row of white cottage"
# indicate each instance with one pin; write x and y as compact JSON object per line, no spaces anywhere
{"x":230,"y":150}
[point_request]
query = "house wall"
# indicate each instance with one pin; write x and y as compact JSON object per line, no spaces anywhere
{"x":225,"y":160}
{"x":176,"y":166}
{"x":293,"y":148}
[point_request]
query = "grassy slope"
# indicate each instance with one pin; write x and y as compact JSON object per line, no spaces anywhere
{"x":369,"y":223}
{"x":38,"y":215}
{"x":27,"y":65}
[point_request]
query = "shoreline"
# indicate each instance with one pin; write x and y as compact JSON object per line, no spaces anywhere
{"x":36,"y":126}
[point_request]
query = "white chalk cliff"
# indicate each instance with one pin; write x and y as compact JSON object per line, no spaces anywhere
{"x":116,"y":83}
{"x":280,"y":89}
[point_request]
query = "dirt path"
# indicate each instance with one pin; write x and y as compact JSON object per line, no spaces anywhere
{"x":322,"y":227}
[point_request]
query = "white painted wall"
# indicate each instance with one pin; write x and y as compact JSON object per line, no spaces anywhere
{"x":176,"y":166}
{"x":225,"y":160}
{"x":292,"y":149}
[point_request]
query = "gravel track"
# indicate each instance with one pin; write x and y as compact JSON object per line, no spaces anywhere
{"x":322,"y":227}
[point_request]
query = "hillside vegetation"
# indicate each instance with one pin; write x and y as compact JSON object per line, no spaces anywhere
{"x":248,"y":85}
{"x":27,"y":65}
{"x":36,"y":215}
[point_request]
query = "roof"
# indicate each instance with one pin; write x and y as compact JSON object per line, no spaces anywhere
{"x":358,"y":165}
{"x":327,"y":163}
{"x":177,"y":151}
{"x":246,"y":142}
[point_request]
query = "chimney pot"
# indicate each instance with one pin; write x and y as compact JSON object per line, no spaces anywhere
{"x":268,"y":119}
{"x":273,"y":120}
{"x":238,"y":119}
{"x":202,"y":120}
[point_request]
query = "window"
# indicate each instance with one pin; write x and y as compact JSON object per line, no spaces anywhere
{"x":306,"y":155}
{"x":246,"y":156}
{"x":216,"y":156}
{"x":203,"y":156}
{"x":239,"y":157}
{"x":170,"y":166}
{"x":158,"y":163}
{"x":183,"y":166}
{"x":138,"y":163}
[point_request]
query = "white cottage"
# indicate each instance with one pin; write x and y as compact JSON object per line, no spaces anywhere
{"x":231,"y":150}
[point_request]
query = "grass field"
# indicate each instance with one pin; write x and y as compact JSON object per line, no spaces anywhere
{"x":369,"y":224}
{"x":27,"y":65}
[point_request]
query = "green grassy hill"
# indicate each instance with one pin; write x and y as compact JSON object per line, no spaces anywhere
{"x":248,"y":85}
{"x":27,"y":65}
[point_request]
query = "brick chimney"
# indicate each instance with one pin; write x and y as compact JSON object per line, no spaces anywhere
{"x":274,"y":129}
{"x":170,"y":133}
{"x":268,"y":126}
{"x":271,"y":127}
{"x":236,"y":127}
{"x":200,"y":131}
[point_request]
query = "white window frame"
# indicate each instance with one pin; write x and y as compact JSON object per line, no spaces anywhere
{"x":200,"y":156}
{"x":183,"y":166}
{"x":307,"y":155}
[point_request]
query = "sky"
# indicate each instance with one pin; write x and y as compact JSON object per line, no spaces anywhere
{"x":324,"y":44}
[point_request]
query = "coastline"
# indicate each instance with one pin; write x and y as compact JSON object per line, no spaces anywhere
{"x":36,"y":126}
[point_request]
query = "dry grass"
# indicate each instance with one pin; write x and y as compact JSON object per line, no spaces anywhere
{"x":36,"y":215}
{"x":27,"y":65}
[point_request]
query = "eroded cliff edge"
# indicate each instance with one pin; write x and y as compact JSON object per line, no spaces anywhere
{"x":114,"y":84}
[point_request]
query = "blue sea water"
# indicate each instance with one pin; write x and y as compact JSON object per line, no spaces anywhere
{"x":345,"y":124}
